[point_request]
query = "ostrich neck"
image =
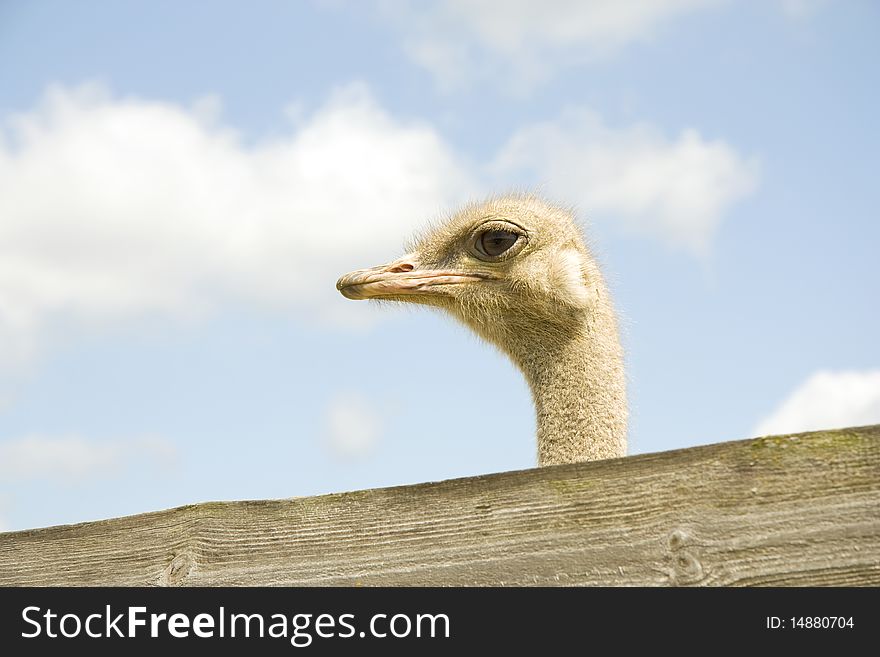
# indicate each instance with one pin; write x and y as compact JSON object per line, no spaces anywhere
{"x":579,"y":388}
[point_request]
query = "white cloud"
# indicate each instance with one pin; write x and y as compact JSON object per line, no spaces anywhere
{"x":675,"y":189}
{"x":353,"y":425}
{"x":113,"y":209}
{"x":70,"y":459}
{"x":523,"y":41}
{"x":118,"y":209}
{"x":827,"y":400}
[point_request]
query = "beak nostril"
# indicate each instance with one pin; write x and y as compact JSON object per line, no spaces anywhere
{"x":399,"y":269}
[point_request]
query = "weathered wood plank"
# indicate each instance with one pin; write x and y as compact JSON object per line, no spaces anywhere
{"x":792,"y":510}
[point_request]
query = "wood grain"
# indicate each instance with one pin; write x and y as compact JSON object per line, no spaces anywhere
{"x":792,"y":510}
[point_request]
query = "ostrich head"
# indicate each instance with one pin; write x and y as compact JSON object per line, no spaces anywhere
{"x":514,"y":269}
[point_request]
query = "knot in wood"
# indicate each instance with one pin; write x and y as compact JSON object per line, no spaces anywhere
{"x":687,"y":568}
{"x":683,"y":558}
{"x":677,"y":539}
{"x":176,"y":571}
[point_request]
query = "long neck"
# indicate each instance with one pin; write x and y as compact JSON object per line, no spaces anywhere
{"x":579,"y":388}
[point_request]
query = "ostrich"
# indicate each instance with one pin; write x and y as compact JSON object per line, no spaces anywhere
{"x":516,"y":271}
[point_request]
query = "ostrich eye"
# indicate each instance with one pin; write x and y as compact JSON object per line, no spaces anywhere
{"x":496,"y":242}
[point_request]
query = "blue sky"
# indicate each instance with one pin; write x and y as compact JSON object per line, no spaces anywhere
{"x":181,"y":183}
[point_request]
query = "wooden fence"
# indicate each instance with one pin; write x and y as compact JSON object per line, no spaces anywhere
{"x":786,"y":510}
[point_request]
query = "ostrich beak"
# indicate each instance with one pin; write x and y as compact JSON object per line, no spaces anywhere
{"x":400,"y":278}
